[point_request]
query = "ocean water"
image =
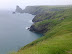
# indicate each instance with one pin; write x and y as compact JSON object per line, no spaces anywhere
{"x":13,"y":31}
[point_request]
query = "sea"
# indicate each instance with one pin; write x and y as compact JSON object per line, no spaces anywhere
{"x":13,"y":31}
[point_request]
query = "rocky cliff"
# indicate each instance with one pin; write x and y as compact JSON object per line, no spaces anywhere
{"x":45,"y":17}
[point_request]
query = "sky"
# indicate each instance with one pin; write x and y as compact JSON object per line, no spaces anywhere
{"x":11,"y":4}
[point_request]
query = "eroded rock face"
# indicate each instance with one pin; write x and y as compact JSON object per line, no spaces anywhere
{"x":39,"y":29}
{"x":18,"y":9}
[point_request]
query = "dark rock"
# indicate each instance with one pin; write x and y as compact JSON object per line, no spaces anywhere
{"x":28,"y":28}
{"x":39,"y":29}
{"x":13,"y":13}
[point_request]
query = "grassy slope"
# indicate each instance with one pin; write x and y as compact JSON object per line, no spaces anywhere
{"x":56,"y":41}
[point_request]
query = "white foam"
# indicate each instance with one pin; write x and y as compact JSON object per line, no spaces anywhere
{"x":30,"y":21}
{"x":27,"y":27}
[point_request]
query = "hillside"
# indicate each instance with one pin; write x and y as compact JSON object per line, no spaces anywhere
{"x":56,"y":25}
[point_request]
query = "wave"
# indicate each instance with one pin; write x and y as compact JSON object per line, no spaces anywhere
{"x":30,"y":21}
{"x":27,"y":27}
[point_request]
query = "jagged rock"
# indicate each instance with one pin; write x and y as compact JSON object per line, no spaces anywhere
{"x":18,"y":9}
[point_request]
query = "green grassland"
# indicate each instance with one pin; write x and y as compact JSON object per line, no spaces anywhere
{"x":57,"y":40}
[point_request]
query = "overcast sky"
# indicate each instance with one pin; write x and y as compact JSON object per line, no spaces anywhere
{"x":11,"y":4}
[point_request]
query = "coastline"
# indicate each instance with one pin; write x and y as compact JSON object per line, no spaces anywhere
{"x":53,"y":25}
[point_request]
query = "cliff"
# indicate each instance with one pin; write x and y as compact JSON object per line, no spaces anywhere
{"x":45,"y":16}
{"x":57,"y":28}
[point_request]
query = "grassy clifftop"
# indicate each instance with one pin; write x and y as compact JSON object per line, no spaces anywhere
{"x":56,"y":40}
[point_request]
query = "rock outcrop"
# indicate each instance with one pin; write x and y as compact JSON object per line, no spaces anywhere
{"x":18,"y":10}
{"x":39,"y":29}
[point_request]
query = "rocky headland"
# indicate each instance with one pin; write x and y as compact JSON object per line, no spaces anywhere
{"x":44,"y":19}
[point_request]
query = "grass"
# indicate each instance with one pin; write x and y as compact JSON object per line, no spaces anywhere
{"x":56,"y":41}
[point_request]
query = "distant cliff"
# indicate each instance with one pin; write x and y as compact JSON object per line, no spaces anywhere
{"x":35,"y":10}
